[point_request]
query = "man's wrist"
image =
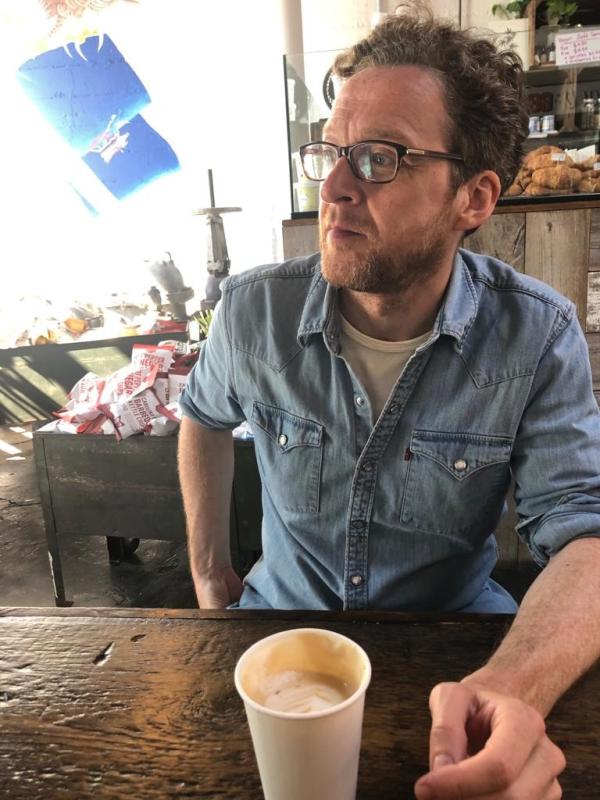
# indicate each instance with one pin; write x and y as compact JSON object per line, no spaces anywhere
{"x":493,"y":680}
{"x":511,"y":683}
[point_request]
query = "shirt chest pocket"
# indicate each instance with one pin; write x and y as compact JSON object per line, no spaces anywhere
{"x":290,"y":451}
{"x":456,"y":483}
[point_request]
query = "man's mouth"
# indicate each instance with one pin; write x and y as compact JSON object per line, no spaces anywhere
{"x":339,"y":232}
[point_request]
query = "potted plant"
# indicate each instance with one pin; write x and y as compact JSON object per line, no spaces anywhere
{"x":559,"y":12}
{"x":558,"y":15}
{"x":511,"y":28}
{"x":514,"y":10}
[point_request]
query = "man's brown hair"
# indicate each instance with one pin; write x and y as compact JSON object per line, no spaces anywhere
{"x":482,"y":86}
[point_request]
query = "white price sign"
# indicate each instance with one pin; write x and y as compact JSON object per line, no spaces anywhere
{"x":578,"y":47}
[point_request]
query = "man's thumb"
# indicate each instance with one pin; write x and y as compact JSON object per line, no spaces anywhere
{"x":450,"y":705}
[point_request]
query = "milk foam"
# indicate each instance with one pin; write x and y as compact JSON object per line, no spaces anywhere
{"x":301,"y":692}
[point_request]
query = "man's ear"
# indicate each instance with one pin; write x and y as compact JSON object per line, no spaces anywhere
{"x":476,"y":200}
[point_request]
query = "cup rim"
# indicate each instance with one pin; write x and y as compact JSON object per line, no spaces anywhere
{"x":360,"y":690}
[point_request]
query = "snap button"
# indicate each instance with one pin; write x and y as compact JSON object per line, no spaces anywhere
{"x":460,"y":465}
{"x":360,"y":401}
{"x":356,"y":580}
{"x":283,"y":440}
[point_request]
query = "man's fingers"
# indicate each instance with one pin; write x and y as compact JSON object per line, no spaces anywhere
{"x":494,"y":774}
{"x":450,"y":705}
{"x":536,"y":780}
{"x":507,"y":732}
{"x":517,"y":760}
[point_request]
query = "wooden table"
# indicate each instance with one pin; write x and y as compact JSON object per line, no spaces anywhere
{"x":111,"y":703}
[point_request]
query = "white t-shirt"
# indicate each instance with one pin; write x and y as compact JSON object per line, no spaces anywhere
{"x":377,"y":364}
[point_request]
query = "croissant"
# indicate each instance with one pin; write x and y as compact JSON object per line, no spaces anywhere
{"x":557,"y":177}
{"x":590,"y":185}
{"x":551,"y":160}
{"x":513,"y":190}
{"x":535,"y":190}
{"x":590,"y":173}
{"x":540,"y":151}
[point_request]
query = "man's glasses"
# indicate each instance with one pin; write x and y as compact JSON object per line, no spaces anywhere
{"x":375,"y":161}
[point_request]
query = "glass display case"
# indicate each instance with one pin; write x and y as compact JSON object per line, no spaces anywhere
{"x":310,"y":91}
{"x":563,"y":101}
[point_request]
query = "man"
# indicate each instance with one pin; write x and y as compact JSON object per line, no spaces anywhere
{"x":393,"y":385}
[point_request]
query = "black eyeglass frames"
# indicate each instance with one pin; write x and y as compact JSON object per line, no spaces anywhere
{"x":375,"y":161}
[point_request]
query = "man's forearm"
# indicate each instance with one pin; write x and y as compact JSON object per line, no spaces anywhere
{"x":555,"y":636}
{"x":205,"y":460}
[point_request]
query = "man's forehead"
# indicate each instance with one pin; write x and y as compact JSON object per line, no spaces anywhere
{"x":390,"y":100}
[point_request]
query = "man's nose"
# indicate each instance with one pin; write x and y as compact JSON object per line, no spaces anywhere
{"x":341,"y":185}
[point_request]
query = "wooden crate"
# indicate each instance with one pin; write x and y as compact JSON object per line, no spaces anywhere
{"x":97,"y":486}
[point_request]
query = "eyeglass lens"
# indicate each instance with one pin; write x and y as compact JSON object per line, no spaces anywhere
{"x":371,"y":161}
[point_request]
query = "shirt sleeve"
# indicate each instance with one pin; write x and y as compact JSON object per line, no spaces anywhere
{"x":209,"y":396}
{"x":556,"y":459}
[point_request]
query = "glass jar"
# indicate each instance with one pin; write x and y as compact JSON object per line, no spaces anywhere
{"x":588,"y":114}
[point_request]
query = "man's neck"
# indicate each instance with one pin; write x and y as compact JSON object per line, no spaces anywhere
{"x":396,"y":317}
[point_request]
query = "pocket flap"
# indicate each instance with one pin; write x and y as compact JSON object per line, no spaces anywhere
{"x":288,"y":430}
{"x":461,"y":454}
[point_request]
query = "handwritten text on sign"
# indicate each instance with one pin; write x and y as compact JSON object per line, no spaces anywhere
{"x":579,"y":47}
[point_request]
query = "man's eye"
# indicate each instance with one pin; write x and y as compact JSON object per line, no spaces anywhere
{"x":381,"y":159}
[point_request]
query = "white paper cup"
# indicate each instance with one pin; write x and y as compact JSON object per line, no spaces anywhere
{"x":306,"y":738}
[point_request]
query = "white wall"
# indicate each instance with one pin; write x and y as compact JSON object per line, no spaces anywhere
{"x":215,"y":76}
{"x":340,"y":23}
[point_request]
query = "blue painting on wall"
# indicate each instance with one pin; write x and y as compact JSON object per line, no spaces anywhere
{"x":93,"y":99}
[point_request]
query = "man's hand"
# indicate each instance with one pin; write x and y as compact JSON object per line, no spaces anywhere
{"x":219,"y":589}
{"x":487,"y":745}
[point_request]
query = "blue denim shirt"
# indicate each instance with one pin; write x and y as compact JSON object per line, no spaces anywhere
{"x":400,"y":512}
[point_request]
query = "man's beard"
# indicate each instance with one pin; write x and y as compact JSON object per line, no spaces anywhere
{"x":378,"y":272}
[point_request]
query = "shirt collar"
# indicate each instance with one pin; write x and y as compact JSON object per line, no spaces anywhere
{"x":455,"y":317}
{"x":318,"y":315}
{"x":459,"y":306}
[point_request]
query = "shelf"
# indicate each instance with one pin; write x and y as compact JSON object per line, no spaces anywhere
{"x":505,"y":205}
{"x":558,"y":202}
{"x":563,"y":67}
{"x":552,"y":75}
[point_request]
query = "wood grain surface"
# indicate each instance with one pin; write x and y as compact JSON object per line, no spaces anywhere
{"x":118,"y":703}
{"x":557,"y":248}
{"x":594,"y":259}
{"x":593,"y":310}
{"x":503,"y":237}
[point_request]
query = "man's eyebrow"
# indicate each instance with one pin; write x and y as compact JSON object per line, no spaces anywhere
{"x":378,"y":133}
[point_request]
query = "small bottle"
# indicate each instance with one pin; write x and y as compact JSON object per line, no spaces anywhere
{"x":543,"y":56}
{"x":552,"y":54}
{"x":536,"y":57}
{"x":588,"y":115}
